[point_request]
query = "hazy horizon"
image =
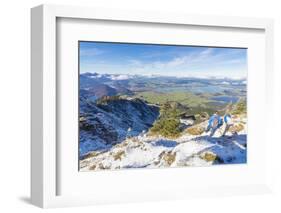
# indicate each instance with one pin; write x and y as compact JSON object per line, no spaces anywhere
{"x":172,"y":76}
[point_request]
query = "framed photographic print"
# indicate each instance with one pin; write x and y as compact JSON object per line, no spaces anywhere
{"x":130,"y":106}
{"x":157,"y":106}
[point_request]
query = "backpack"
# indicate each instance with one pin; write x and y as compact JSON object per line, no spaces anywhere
{"x":226,"y":118}
{"x":215,"y":122}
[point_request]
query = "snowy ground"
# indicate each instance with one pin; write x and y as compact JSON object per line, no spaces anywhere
{"x":145,"y":151}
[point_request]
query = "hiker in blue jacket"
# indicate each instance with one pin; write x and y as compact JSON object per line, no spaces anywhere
{"x":214,"y":123}
{"x":228,"y":123}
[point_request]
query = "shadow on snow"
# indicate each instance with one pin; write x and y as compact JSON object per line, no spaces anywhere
{"x":231,"y":150}
{"x":166,"y":143}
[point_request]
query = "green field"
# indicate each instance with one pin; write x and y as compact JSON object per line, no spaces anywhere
{"x":195,"y":103}
{"x":185,"y":98}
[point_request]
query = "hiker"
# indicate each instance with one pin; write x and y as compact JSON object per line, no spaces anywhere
{"x":214,"y":123}
{"x":128,"y":135}
{"x":228,"y":123}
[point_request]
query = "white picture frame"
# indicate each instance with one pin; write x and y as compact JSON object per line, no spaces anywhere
{"x":44,"y":154}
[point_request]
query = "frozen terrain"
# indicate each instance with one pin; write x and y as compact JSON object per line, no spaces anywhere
{"x":148,"y":151}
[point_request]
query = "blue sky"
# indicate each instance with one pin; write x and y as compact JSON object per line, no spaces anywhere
{"x":166,"y":60}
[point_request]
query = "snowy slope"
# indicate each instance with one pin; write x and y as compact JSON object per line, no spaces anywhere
{"x":104,"y":125}
{"x":146,"y":151}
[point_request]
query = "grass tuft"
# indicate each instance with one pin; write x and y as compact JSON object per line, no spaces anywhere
{"x":209,"y":156}
{"x":236,"y":128}
{"x":118,"y":155}
{"x":195,"y":130}
{"x":169,"y":157}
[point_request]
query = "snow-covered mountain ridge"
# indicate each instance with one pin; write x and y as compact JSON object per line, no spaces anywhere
{"x":109,"y":122}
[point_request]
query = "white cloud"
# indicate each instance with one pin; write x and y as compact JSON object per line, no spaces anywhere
{"x":207,"y":63}
{"x":90,"y":52}
{"x":120,"y":77}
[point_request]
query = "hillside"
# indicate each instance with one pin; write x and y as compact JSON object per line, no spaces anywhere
{"x":111,"y":120}
{"x":190,"y":149}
